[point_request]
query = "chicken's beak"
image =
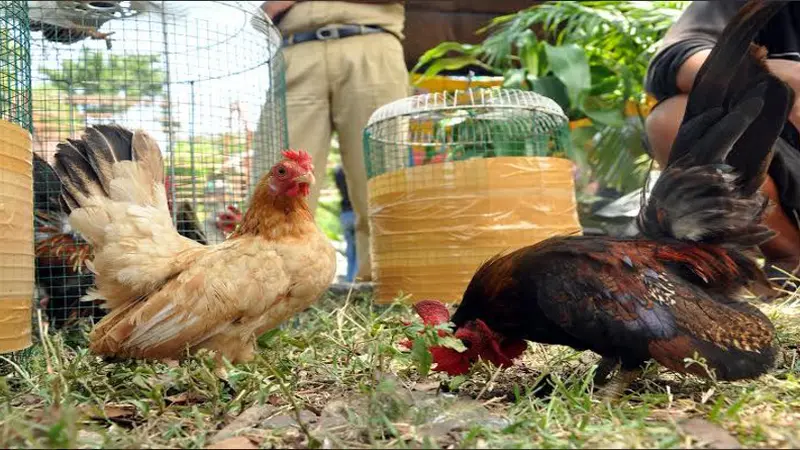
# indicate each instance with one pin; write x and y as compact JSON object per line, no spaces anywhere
{"x":307,"y":178}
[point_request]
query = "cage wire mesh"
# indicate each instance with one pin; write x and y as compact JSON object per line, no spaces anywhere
{"x":16,"y":249}
{"x":205,"y":79}
{"x":15,"y":68}
{"x":456,"y":177}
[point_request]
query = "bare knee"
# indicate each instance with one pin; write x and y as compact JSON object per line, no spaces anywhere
{"x":662,"y":126}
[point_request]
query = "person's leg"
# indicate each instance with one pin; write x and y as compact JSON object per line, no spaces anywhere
{"x":308,"y":107}
{"x":370,"y":73}
{"x":662,"y":126}
{"x":347,"y":218}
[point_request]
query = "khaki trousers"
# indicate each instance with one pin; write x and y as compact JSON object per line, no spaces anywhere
{"x":336,"y":85}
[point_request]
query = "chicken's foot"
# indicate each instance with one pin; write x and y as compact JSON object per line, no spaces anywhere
{"x":95,"y":34}
{"x":615,"y":387}
{"x":604,"y":368}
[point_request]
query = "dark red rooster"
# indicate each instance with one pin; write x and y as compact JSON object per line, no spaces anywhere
{"x":674,"y":292}
{"x":61,"y":273}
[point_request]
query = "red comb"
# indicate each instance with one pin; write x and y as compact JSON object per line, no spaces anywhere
{"x":301,"y":157}
{"x":432,"y":312}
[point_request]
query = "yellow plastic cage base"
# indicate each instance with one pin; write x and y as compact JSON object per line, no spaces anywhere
{"x":433,"y":225}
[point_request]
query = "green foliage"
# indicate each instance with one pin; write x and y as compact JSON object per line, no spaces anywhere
{"x":590,"y":57}
{"x":105,"y":75}
{"x":466,"y":134}
{"x":421,"y":356}
{"x":57,"y":112}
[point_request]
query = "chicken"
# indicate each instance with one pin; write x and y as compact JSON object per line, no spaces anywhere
{"x":167,"y":294}
{"x":187,"y":223}
{"x":68,"y":22}
{"x":228,"y":220}
{"x":61,"y":254}
{"x":673,"y":293}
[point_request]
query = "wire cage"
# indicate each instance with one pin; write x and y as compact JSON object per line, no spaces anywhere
{"x":457,"y":177}
{"x":205,"y":79}
{"x":16,"y":210}
{"x":15,"y":64}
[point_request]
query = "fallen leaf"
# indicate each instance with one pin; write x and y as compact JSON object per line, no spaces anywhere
{"x":233,"y":443}
{"x":274,"y":400}
{"x":185,"y":398}
{"x":708,"y":433}
{"x":249,"y":418}
{"x":288,"y":419}
{"x":425,"y":387}
{"x":111,"y":411}
{"x":119,"y":411}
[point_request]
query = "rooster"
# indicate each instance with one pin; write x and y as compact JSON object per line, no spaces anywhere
{"x":61,"y":254}
{"x":674,"y":293}
{"x":166,"y":293}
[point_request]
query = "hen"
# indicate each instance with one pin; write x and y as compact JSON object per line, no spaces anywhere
{"x":675,"y":291}
{"x":61,"y":254}
{"x":166,"y":293}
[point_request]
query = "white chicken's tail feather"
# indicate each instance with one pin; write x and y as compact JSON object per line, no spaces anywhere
{"x":108,"y":164}
{"x":113,"y":190}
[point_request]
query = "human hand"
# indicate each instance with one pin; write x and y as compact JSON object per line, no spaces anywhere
{"x":275,"y":7}
{"x":789,"y":72}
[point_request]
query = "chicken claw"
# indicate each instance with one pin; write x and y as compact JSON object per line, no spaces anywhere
{"x":615,"y":387}
{"x":604,"y":368}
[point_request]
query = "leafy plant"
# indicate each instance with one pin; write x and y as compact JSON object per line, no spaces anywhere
{"x":591,"y":58}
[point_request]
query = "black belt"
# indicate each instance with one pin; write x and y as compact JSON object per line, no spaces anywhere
{"x":329,"y":32}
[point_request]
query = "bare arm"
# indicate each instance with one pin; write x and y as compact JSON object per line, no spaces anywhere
{"x":789,"y":72}
{"x":273,"y":8}
{"x":688,"y":71}
{"x":686,"y":46}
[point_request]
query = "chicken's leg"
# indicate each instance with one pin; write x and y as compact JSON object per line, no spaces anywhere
{"x":614,"y":389}
{"x":604,"y":369}
{"x":93,"y":33}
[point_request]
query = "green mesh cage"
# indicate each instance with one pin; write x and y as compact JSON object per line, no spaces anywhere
{"x":205,"y":79}
{"x":455,"y":126}
{"x":15,"y":103}
{"x":15,"y":63}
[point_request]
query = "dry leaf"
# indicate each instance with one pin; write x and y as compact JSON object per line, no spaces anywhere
{"x":119,"y":410}
{"x":274,"y":400}
{"x":233,"y":443}
{"x":709,"y":433}
{"x":185,"y":398}
{"x":426,"y":387}
{"x":248,"y":419}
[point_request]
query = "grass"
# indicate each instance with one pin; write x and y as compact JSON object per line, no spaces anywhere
{"x":337,"y":369}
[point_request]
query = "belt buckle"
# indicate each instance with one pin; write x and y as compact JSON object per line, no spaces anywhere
{"x":327,"y":32}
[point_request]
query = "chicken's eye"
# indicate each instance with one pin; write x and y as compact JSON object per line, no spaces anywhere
{"x":281,"y":171}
